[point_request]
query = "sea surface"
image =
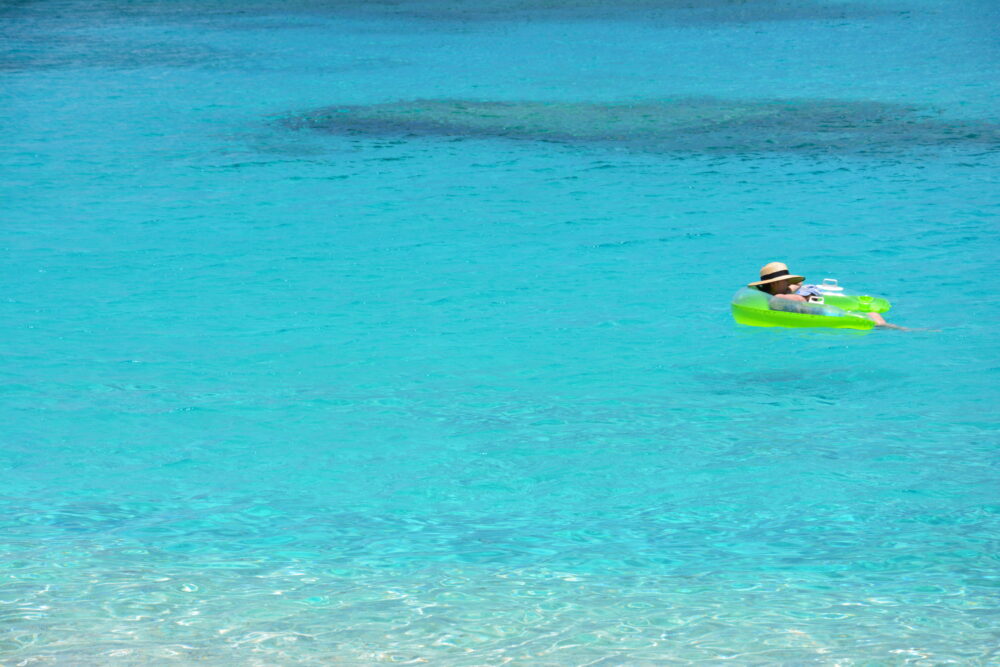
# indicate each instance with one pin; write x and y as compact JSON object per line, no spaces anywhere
{"x":357,"y":332}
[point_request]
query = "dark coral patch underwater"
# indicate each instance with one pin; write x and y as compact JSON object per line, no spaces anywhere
{"x":688,"y":125}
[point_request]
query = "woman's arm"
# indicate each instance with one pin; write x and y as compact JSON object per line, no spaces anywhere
{"x":790,"y":303}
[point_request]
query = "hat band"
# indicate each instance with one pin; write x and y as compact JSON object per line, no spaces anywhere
{"x":776,"y":274}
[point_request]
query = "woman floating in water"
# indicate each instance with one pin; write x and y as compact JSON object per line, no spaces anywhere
{"x":786,"y":292}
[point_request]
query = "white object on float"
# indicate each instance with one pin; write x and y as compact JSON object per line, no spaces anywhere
{"x":830,"y":286}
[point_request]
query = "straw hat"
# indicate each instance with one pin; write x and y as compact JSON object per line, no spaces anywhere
{"x":773,"y":272}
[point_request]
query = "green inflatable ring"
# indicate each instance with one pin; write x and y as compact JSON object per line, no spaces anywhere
{"x":838,"y":311}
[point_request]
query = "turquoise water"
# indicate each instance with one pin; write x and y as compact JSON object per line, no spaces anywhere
{"x":282,"y":390}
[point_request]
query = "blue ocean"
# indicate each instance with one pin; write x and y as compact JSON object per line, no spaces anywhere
{"x":341,"y":332}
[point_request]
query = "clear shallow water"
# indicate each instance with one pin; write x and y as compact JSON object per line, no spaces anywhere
{"x":276,"y":395}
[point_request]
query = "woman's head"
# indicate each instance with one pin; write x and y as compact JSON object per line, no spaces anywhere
{"x":780,"y":286}
{"x":776,"y":279}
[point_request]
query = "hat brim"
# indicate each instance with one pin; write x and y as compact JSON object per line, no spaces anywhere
{"x":790,"y":276}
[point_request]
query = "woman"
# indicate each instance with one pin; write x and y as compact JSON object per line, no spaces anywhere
{"x":786,"y":290}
